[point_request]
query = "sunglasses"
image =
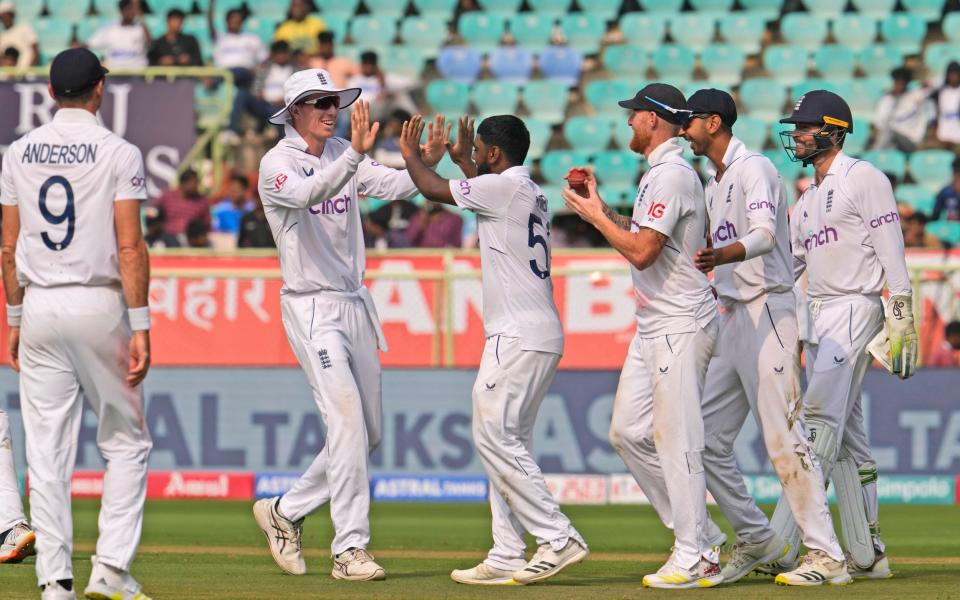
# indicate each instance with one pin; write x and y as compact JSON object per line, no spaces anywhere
{"x":323,"y":103}
{"x":700,"y":116}
{"x":668,"y":108}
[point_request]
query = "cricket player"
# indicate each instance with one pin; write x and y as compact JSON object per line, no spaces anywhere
{"x":309,"y":184}
{"x":756,"y":365}
{"x":657,"y":427}
{"x":846,"y":235}
{"x":524,"y":341}
{"x":16,"y":538}
{"x":76,"y":273}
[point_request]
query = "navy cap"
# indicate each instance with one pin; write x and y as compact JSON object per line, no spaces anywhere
{"x":821,"y":107}
{"x":712,"y":101}
{"x":75,"y":71}
{"x":664,"y":99}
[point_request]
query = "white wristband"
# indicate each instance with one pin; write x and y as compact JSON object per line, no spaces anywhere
{"x":139,"y":318}
{"x":14,"y":312}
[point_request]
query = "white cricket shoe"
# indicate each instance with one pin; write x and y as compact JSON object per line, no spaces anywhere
{"x":880,"y":569}
{"x":55,"y":591}
{"x":283,"y":535}
{"x":745,"y":557}
{"x":673,"y":576}
{"x":109,"y":583}
{"x":356,"y":564}
{"x":483,"y":574}
{"x":17,"y":544}
{"x":816,"y":568}
{"x":547,"y":563}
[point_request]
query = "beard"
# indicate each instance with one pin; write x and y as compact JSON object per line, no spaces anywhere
{"x":636,"y":144}
{"x":483,"y":169}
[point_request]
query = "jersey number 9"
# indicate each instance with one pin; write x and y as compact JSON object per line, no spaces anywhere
{"x":67,"y":215}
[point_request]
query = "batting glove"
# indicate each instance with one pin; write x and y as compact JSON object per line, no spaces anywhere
{"x":902,"y":335}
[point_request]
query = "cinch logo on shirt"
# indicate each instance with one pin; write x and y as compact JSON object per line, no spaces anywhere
{"x":760,"y":205}
{"x":890,"y":217}
{"x":332,"y":206}
{"x":725,"y":232}
{"x":815,"y":239}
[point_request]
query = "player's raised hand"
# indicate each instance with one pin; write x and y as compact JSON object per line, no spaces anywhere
{"x":362,"y":134}
{"x":589,"y":206}
{"x":13,"y":345}
{"x":461,"y":150}
{"x":139,"y":358}
{"x":410,"y":135}
{"x":438,"y":132}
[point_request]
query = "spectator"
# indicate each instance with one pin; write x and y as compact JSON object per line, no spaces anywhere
{"x":915,"y":234}
{"x":947,"y":205}
{"x":254,"y":228}
{"x":339,"y":67}
{"x":175,"y":48}
{"x":948,"y":106}
{"x":902,"y":116}
{"x":156,"y":236}
{"x":197,"y":231}
{"x":19,"y":36}
{"x":301,"y":29}
{"x":184,"y":205}
{"x":948,"y":354}
{"x":268,"y":86}
{"x":123,"y":44}
{"x":10,"y":57}
{"x":228,"y":213}
{"x":387,"y":151}
{"x":382,"y":90}
{"x":436,"y":227}
{"x":391,"y":223}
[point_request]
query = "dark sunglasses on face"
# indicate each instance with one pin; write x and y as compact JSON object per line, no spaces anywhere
{"x":324,"y":102}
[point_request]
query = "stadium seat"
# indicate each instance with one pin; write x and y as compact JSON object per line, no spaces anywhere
{"x":916,"y":196}
{"x":540,"y":132}
{"x":512,"y":64}
{"x":546,"y":99}
{"x":156,"y":25}
{"x":951,"y":26}
{"x":403,"y":59}
{"x":617,"y":194}
{"x":824,"y":8}
{"x":715,"y":8}
{"x":492,"y":97}
{"x":862,"y":95}
{"x":426,"y":33}
{"x":752,"y":131}
{"x":787,"y":63}
{"x":854,"y":31}
{"x":808,"y":85}
{"x":803,"y":30}
{"x":53,"y":33}
{"x":835,"y":61}
{"x":626,"y":60}
{"x":744,"y":30}
{"x":692,"y":30}
{"x":904,"y":31}
{"x":692,"y":87}
{"x":339,"y":25}
{"x":448,"y":97}
{"x":938,"y":55}
{"x":643,"y":29}
{"x":346,"y":8}
{"x":588,"y":134}
{"x":158,"y":6}
{"x":28,"y":10}
{"x":617,"y":168}
{"x":504,"y":8}
{"x":87,"y":25}
{"x":555,"y":8}
{"x":69,"y":10}
{"x":556,"y":163}
{"x":373,"y":31}
{"x":787,"y":168}
{"x":878,"y":9}
{"x":855,"y":144}
{"x":888,"y":161}
{"x":879,"y":59}
{"x":261,"y":27}
{"x":583,"y":31}
{"x":603,"y":94}
{"x":460,"y":63}
{"x":606,"y":9}
{"x":481,"y":30}
{"x":277,"y":9}
{"x":622,"y":132}
{"x":561,"y":63}
{"x":763,"y":98}
{"x":928,"y":10}
{"x":661,"y":6}
{"x":531,"y":30}
{"x":932,"y":168}
{"x":674,"y":62}
{"x":555,"y":202}
{"x":435,"y":8}
{"x":768,"y":9}
{"x":723,"y":63}
{"x":947,"y":231}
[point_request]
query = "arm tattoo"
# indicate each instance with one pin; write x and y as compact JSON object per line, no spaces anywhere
{"x":621,"y":221}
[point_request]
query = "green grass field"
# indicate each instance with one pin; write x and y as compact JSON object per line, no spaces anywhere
{"x":197,"y":550}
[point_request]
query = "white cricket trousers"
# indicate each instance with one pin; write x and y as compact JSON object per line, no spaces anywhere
{"x":657,"y":429}
{"x":335,"y":336}
{"x":510,"y":386}
{"x":756,"y":368}
{"x":11,"y":507}
{"x":75,"y":342}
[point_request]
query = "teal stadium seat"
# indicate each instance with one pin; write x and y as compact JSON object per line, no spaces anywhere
{"x":932,"y":169}
{"x":916,"y":196}
{"x":28,"y":10}
{"x":555,"y":202}
{"x":373,"y":31}
{"x":904,"y":31}
{"x":277,"y":9}
{"x":88,"y":25}
{"x":692,"y":87}
{"x":617,"y":168}
{"x":616,"y":195}
{"x":674,"y":62}
{"x":622,"y":132}
{"x":855,"y":144}
{"x":540,"y":132}
{"x":643,"y":29}
{"x":261,"y":27}
{"x":938,"y":55}
{"x":752,"y":131}
{"x":715,"y":8}
{"x":834,"y":61}
{"x":159,"y":7}
{"x":336,"y":24}
{"x":743,"y":29}
{"x":607,"y":9}
{"x":426,"y":33}
{"x":951,"y":26}
{"x":878,"y":9}
{"x":947,"y":231}
{"x":588,"y":134}
{"x":503,"y":8}
{"x":879,"y":59}
{"x":555,"y":8}
{"x":70,"y":10}
{"x":788,"y":64}
{"x":583,"y":31}
{"x":661,"y":6}
{"x":346,"y":8}
{"x":854,"y":31}
{"x":481,"y":30}
{"x":52,"y":32}
{"x":824,"y":8}
{"x":156,"y":25}
{"x":448,"y":97}
{"x":888,"y":161}
{"x":692,"y":30}
{"x":392,"y":9}
{"x":626,"y":60}
{"x":804,"y":30}
{"x":763,"y":98}
{"x":815,"y":83}
{"x":928,"y":10}
{"x":532,"y":30}
{"x":768,"y":9}
{"x":603,"y":94}
{"x":403,"y":59}
{"x":546,"y":99}
{"x":788,"y":169}
{"x":435,"y":8}
{"x":556,"y":163}
{"x":494,"y":97}
{"x":723,"y":63}
{"x":862,"y":95}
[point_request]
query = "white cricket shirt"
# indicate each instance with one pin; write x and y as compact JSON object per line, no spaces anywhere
{"x":238,"y":51}
{"x":673,"y":296}
{"x":513,"y":223}
{"x":846,"y":233}
{"x":311,"y":206}
{"x":124,"y":46}
{"x":64,"y":177}
{"x":749,"y":196}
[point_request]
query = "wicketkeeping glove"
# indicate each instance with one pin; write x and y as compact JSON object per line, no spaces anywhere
{"x":902,"y":335}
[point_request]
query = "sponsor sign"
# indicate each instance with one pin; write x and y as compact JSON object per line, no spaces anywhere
{"x":207,"y":485}
{"x":891,"y":489}
{"x":578,"y":489}
{"x":414,"y":488}
{"x":269,"y":485}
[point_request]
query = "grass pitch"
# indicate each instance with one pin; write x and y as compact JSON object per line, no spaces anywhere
{"x":200,"y":550}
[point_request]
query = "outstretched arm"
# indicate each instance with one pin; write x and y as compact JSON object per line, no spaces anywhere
{"x":431,"y":185}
